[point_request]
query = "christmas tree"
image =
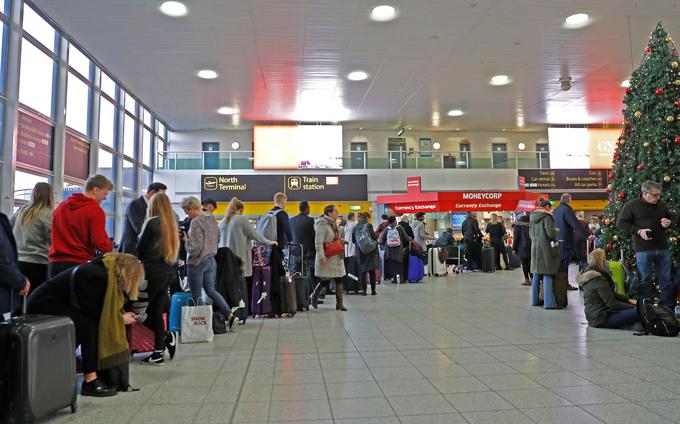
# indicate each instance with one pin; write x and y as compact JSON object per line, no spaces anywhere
{"x":649,"y":145}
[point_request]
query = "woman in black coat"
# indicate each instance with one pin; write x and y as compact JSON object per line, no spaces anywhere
{"x":497,"y":234}
{"x":367,"y":262}
{"x":521,"y":246}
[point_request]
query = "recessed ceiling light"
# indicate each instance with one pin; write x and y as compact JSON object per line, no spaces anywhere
{"x":436,"y":146}
{"x":174,"y":9}
{"x":500,"y":80}
{"x":357,"y":76}
{"x":235,"y":145}
{"x":522,"y":146}
{"x":457,"y":129}
{"x":625,"y":84}
{"x":383,"y":13}
{"x":410,"y":128}
{"x":361,"y":128}
{"x":206,"y":74}
{"x":226,"y":110}
{"x":504,"y":129}
{"x":576,"y":21}
{"x":455,"y":112}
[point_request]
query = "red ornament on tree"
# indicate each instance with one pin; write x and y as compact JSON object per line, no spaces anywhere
{"x":611,"y":176}
{"x":609,"y":246}
{"x":628,"y":90}
{"x":677,"y":103}
{"x":640,"y":167}
{"x":616,"y":155}
{"x":659,"y":91}
{"x":677,"y":140}
{"x":628,"y":123}
{"x":648,"y":49}
{"x":621,"y":196}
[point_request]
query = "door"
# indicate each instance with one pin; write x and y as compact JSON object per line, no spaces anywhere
{"x":499,"y":155}
{"x":211,"y":160}
{"x":464,"y":161}
{"x":396,"y":148}
{"x":543,"y":155}
{"x":358,"y":155}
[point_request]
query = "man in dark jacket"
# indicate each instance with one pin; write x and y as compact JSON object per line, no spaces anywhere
{"x":472,"y":237}
{"x":283,"y":232}
{"x":134,"y":218}
{"x":646,"y":219}
{"x":11,"y":277}
{"x":568,"y":224}
{"x":302,"y":227}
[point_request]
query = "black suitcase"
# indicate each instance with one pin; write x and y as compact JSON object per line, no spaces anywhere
{"x":351,"y":280}
{"x":303,"y":279}
{"x":560,"y":287}
{"x":37,"y":367}
{"x":488,"y":259}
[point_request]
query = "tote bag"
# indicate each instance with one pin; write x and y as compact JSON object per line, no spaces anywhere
{"x":197,"y":323}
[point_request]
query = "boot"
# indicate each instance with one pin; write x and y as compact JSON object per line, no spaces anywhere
{"x":363,"y":287}
{"x":373,"y":293}
{"x":314,"y":298}
{"x":339,"y":294}
{"x":527,"y":282}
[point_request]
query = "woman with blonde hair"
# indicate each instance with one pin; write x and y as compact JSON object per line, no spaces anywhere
{"x":93,"y":295}
{"x":603,"y":306}
{"x":32,"y":228}
{"x":236,"y":233}
{"x":157,"y":248}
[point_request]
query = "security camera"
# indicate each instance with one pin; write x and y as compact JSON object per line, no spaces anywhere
{"x":565,"y":83}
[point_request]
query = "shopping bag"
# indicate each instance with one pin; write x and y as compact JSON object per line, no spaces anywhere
{"x":197,"y":324}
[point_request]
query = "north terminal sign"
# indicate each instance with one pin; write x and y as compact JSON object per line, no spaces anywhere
{"x":298,"y":187}
{"x":565,"y":179}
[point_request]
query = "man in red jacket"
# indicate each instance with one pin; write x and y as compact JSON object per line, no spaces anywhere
{"x":79,"y":227}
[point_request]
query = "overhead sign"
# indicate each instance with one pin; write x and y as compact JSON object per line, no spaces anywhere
{"x":34,"y":141}
{"x":564,"y":179}
{"x":76,"y":157}
{"x":298,"y":187}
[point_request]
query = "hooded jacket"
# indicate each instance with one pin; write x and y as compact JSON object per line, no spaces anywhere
{"x":326,"y":231}
{"x":599,"y":298}
{"x":521,"y":242}
{"x":78,"y":230}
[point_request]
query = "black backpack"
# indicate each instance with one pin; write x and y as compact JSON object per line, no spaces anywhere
{"x":657,"y":319}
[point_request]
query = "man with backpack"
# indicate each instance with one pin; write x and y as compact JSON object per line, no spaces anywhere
{"x":395,"y":240}
{"x":275,"y":225}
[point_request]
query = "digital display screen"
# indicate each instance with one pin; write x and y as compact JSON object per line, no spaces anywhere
{"x":297,"y":147}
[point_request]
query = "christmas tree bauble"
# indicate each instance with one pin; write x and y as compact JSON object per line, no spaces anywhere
{"x":638,"y":114}
{"x":667,"y":179}
{"x":659,"y":91}
{"x":674,"y":64}
{"x":670,"y":118}
{"x":646,"y":144}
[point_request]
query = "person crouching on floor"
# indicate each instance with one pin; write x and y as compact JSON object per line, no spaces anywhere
{"x":604,"y":308}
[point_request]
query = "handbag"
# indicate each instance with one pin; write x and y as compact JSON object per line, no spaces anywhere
{"x":333,"y":248}
{"x":140,"y":338}
{"x":261,"y":254}
{"x":219,"y":323}
{"x":197,"y":324}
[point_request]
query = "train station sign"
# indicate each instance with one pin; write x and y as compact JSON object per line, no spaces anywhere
{"x":298,"y":187}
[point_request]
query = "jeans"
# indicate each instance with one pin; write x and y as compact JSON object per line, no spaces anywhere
{"x":202,"y":276}
{"x":661,"y":260}
{"x":548,"y":295}
{"x":621,"y":319}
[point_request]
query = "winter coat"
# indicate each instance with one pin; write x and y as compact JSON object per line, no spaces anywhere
{"x":568,"y":224}
{"x":134,"y":218}
{"x":350,"y":247}
{"x":12,"y":278}
{"x":407,"y":229}
{"x":395,"y":253}
{"x":496,"y":232}
{"x":420,"y":234}
{"x":326,"y":231}
{"x":229,"y":279}
{"x":445,"y":239}
{"x":542,"y":231}
{"x":302,"y":227}
{"x":366,"y":261}
{"x":203,"y":238}
{"x":237,"y":235}
{"x":638,"y":214}
{"x":599,"y":298}
{"x":470,"y":230}
{"x":521,"y":242}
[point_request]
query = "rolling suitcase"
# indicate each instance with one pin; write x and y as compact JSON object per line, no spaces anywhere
{"x":351,"y":280}
{"x":261,"y":302}
{"x":37,"y":367}
{"x":416,"y":269}
{"x":303,"y":283}
{"x":560,"y":287}
{"x":488,"y":259}
{"x":434,"y":266}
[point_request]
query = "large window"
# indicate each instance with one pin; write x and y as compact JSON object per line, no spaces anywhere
{"x":130,"y":104}
{"x":77,"y":104}
{"x":129,"y":176}
{"x":147,"y":142}
{"x":79,"y":62}
{"x":106,"y":165}
{"x":36,"y":78}
{"x":39,"y":29}
{"x":24,"y":183}
{"x":108,"y":86}
{"x":129,"y":136}
{"x":107,"y":122}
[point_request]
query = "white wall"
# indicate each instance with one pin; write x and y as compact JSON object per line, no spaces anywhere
{"x":190,"y":141}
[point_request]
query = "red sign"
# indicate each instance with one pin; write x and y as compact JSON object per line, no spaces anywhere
{"x":76,"y":157}
{"x":413,"y":184}
{"x":34,"y":142}
{"x":460,"y":201}
{"x":522,"y":183}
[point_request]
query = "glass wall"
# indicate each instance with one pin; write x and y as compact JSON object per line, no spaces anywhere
{"x":104,"y":122}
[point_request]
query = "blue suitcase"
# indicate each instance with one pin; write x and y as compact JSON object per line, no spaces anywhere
{"x":416,"y":269}
{"x":179,"y":299}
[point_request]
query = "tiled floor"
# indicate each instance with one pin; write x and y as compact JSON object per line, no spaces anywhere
{"x":451,"y":350}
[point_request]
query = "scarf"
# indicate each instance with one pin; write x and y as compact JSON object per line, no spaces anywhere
{"x":113,"y":345}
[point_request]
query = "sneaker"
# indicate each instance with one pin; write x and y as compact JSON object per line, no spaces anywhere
{"x":154,"y":359}
{"x":570,"y":287}
{"x":97,"y":388}
{"x":233,"y":319}
{"x":171,"y":343}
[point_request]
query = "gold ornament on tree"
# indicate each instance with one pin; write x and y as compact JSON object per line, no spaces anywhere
{"x":674,"y":64}
{"x":669,"y":39}
{"x":670,"y":118}
{"x":638,"y":114}
{"x":676,"y":82}
{"x":646,"y":144}
{"x":616,"y":238}
{"x":667,"y":179}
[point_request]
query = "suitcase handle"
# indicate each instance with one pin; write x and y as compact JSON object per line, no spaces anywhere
{"x":302,"y":257}
{"x":12,"y":306}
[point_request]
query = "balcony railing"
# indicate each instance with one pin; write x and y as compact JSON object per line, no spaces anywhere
{"x":374,"y":159}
